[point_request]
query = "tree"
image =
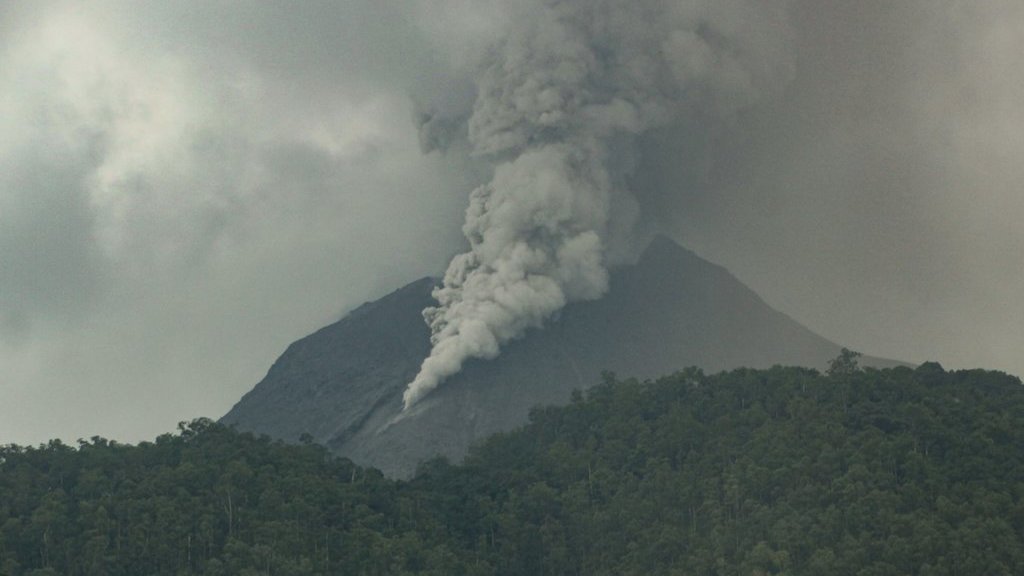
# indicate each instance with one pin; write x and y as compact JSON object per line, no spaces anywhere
{"x":844,"y":364}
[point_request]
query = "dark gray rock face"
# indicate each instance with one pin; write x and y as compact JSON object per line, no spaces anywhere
{"x":344,"y":383}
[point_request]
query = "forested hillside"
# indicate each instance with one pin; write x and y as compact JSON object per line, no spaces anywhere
{"x":780,"y":471}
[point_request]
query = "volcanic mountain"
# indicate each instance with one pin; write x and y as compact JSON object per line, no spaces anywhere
{"x":343,"y":384}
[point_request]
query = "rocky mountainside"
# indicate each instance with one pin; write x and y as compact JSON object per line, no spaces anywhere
{"x":343,"y":384}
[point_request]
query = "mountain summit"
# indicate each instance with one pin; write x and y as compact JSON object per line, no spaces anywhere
{"x":343,"y":384}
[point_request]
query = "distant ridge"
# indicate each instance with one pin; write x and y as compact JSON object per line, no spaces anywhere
{"x":343,"y":384}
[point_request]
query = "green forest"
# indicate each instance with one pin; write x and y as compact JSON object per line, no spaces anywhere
{"x":750,"y":472}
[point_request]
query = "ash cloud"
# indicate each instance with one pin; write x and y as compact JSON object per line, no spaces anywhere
{"x":187,"y":187}
{"x":561,"y":96}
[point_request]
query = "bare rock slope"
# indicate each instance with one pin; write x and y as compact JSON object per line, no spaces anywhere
{"x":343,"y":384}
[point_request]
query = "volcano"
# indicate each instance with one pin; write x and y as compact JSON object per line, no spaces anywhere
{"x":343,"y":384}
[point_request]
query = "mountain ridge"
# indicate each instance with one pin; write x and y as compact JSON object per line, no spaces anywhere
{"x":672,"y":309}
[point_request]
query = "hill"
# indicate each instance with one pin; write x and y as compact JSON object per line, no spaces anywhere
{"x":343,"y":384}
{"x":780,"y":471}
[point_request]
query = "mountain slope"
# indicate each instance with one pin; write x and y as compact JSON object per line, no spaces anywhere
{"x":343,"y":384}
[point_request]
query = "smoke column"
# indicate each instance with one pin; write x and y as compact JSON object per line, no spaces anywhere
{"x":560,"y":99}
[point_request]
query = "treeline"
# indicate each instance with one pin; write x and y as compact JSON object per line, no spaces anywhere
{"x":780,"y":471}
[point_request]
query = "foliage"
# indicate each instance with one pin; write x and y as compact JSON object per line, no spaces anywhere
{"x":753,"y":472}
{"x":845,"y":363}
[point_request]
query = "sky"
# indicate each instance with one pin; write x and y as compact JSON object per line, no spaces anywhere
{"x":188,"y":187}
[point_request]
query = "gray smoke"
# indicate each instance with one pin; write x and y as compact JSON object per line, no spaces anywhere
{"x":561,"y":97}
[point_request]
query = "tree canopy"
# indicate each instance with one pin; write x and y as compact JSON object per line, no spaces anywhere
{"x":750,"y":472}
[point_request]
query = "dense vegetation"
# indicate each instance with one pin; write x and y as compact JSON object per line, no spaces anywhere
{"x":781,"y":471}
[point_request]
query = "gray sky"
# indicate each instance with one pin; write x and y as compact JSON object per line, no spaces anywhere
{"x":187,"y":187}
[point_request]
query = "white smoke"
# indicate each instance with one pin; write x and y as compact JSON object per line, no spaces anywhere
{"x":559,"y":96}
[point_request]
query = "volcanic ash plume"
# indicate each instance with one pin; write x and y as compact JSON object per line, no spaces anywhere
{"x":561,"y":99}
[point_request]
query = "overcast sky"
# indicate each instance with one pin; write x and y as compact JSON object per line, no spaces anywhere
{"x":187,"y":187}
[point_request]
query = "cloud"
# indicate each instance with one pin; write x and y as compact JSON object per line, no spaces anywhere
{"x":560,"y":95}
{"x":187,"y":187}
{"x":875,"y":201}
{"x":176,"y":206}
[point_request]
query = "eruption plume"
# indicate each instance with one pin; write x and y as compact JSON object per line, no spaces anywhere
{"x":562,"y":97}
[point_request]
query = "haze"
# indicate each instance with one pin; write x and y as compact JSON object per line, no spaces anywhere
{"x":187,"y":188}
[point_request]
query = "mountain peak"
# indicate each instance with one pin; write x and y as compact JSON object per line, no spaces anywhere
{"x":662,"y":246}
{"x":344,"y":383}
